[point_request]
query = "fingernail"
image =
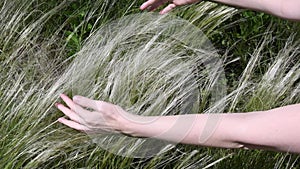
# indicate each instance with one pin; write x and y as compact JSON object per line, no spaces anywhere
{"x":56,"y":104}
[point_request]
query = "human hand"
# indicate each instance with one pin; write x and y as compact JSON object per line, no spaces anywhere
{"x":103,"y":118}
{"x":154,"y":4}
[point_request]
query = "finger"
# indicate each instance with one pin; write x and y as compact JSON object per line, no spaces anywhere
{"x":167,"y":9}
{"x":73,"y":124}
{"x":86,"y":102}
{"x":150,"y":3}
{"x":68,"y":101}
{"x":75,"y":107}
{"x":154,"y":7}
{"x":72,"y":115}
{"x":99,"y":106}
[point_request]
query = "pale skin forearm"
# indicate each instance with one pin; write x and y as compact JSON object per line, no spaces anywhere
{"x":288,"y":9}
{"x":276,"y":129}
{"x":188,"y":129}
{"x":270,"y":6}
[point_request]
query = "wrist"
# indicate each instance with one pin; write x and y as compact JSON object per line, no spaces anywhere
{"x":128,"y":123}
{"x":139,"y":126}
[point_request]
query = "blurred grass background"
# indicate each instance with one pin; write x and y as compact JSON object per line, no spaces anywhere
{"x":38,"y":40}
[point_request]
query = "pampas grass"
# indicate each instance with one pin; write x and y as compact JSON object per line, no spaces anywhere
{"x":137,"y":63}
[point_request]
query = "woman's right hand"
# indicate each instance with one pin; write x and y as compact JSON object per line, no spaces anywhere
{"x":154,"y":4}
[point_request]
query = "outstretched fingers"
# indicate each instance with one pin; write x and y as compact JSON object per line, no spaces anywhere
{"x":69,"y":113}
{"x":99,"y":106}
{"x":73,"y":124}
{"x":77,"y":109}
{"x":68,"y":101}
{"x":152,"y":4}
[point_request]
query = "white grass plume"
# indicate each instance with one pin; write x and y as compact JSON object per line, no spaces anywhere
{"x":148,"y":65}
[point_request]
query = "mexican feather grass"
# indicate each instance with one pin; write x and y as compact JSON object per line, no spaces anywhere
{"x":146,"y":63}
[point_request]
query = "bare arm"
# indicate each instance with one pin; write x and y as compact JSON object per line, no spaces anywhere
{"x":276,"y":129}
{"x":288,"y":9}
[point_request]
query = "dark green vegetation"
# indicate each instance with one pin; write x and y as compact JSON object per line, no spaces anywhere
{"x":38,"y":39}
